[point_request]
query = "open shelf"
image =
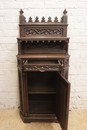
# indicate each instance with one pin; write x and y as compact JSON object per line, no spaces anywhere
{"x":42,"y":104}
{"x":42,"y":92}
{"x":41,"y":83}
{"x":45,"y":62}
{"x":39,"y":51}
{"x":43,"y":47}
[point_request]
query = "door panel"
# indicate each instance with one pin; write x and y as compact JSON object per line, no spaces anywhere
{"x":62,"y":101}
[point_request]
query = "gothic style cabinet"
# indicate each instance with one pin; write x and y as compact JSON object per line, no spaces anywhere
{"x":43,"y":62}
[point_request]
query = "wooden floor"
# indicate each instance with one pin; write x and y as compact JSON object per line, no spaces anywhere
{"x":10,"y":120}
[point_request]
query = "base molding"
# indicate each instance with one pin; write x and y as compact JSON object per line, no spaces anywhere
{"x":39,"y":118}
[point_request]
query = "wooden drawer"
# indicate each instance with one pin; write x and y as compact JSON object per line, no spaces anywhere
{"x":41,"y":68}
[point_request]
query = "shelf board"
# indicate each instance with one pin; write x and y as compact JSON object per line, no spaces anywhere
{"x":41,"y":92}
{"x":42,"y":56}
{"x":42,"y":116}
{"x":43,"y":38}
{"x":43,"y":23}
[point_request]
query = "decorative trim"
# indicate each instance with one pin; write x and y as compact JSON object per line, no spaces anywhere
{"x":43,"y":31}
{"x":22,"y":18}
{"x":43,"y":20}
{"x":30,"y":20}
{"x":43,"y":39}
{"x":42,"y":68}
{"x":56,"y":20}
{"x":42,"y":44}
{"x":49,"y":20}
{"x":36,"y":20}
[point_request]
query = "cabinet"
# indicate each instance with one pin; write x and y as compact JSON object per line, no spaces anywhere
{"x":43,"y":63}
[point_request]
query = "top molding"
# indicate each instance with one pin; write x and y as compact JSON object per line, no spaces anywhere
{"x":22,"y":19}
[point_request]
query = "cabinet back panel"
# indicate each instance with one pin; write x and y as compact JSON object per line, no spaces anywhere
{"x":42,"y":104}
{"x":41,"y":82}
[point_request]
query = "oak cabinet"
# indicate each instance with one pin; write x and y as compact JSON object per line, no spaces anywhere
{"x":43,"y":63}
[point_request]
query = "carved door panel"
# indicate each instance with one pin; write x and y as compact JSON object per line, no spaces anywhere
{"x":62,"y":101}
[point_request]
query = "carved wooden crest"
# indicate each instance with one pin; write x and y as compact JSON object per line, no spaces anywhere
{"x":43,"y":27}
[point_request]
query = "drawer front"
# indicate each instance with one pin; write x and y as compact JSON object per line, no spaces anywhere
{"x":42,"y":68}
{"x":43,"y":65}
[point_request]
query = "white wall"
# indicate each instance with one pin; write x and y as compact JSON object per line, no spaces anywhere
{"x":77,"y":31}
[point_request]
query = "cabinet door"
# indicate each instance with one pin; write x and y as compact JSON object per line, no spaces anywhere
{"x":62,"y":101}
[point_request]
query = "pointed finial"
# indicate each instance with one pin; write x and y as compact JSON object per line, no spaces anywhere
{"x":30,"y":20}
{"x":36,"y":19}
{"x":56,"y":20}
{"x":21,"y":11}
{"x":22,"y":19}
{"x":49,"y":20}
{"x":64,"y":17}
{"x":43,"y":20}
{"x":65,"y":12}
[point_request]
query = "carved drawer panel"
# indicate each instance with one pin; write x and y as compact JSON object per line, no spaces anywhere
{"x":44,"y":65}
{"x":42,"y":68}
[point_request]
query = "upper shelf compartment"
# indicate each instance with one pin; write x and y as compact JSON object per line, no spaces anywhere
{"x":50,"y":29}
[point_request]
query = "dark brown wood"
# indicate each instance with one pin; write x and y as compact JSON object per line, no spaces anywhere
{"x":43,"y":63}
{"x":62,"y":100}
{"x":43,"y":56}
{"x":39,"y":118}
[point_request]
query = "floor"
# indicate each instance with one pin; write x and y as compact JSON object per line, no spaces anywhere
{"x":10,"y":120}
